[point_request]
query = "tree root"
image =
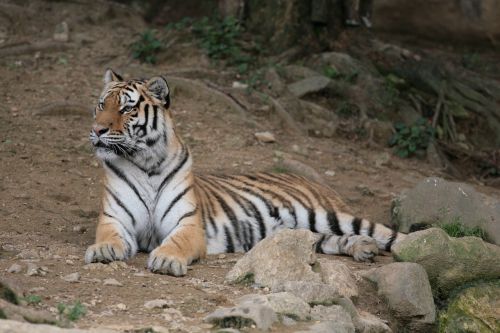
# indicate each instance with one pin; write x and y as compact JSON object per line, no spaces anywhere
{"x":45,"y":46}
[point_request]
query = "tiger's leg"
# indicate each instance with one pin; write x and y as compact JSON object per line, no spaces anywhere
{"x":185,"y":244}
{"x":360,"y":247}
{"x":113,"y":242}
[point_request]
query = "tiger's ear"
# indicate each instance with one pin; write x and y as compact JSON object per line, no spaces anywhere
{"x":159,"y":88}
{"x":110,"y":76}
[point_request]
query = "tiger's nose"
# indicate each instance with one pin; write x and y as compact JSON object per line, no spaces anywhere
{"x":99,"y":129}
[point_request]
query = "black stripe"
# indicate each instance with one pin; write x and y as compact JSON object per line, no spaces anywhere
{"x":188,"y":214}
{"x":174,"y":201}
{"x":356,"y":225}
{"x":229,"y":241}
{"x":333,"y":222}
{"x":151,"y":141}
{"x":319,"y":244}
{"x":371,"y":229}
{"x":391,"y":240}
{"x":155,"y":116}
{"x":120,"y":203}
{"x":312,"y":220}
{"x":228,"y":211}
{"x":208,"y":210}
{"x":175,"y":170}
{"x":122,"y":176}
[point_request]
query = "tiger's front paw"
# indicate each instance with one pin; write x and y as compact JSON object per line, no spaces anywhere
{"x":104,"y":252}
{"x":362,"y":248}
{"x":163,"y":262}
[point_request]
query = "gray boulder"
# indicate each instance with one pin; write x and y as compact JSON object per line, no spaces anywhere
{"x":475,"y":309}
{"x":311,"y":292}
{"x":406,"y":289}
{"x":250,"y":310}
{"x":449,"y":262}
{"x":437,"y":201}
{"x":336,"y":273}
{"x":285,"y":256}
{"x":331,"y":326}
{"x":289,"y":305}
{"x":309,"y":85}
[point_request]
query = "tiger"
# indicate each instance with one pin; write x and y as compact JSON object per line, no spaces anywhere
{"x":153,"y":201}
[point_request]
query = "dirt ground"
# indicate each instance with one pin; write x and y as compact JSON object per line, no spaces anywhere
{"x":50,"y":183}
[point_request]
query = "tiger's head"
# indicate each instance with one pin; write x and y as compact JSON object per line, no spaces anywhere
{"x":130,"y":116}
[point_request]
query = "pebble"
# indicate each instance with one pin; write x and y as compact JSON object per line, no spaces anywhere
{"x":121,"y":307}
{"x":80,"y":229}
{"x":34,"y":270}
{"x":329,"y":173}
{"x":156,"y":304}
{"x":73,"y":277}
{"x":61,"y":33}
{"x":239,"y":85}
{"x":112,"y":282}
{"x":36,"y":289}
{"x":15,"y":268}
{"x":70,"y":262}
{"x":222,"y":256}
{"x":265,"y":137}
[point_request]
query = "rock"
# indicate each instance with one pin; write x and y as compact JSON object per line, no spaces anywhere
{"x":274,"y":83}
{"x":330,"y":173}
{"x":296,"y":73}
{"x":284,"y":256}
{"x":80,"y":229}
{"x":475,"y":309}
{"x":372,"y":324}
{"x":301,"y":169}
{"x":406,"y":290}
{"x":11,"y":326}
{"x":330,"y":327}
{"x":121,"y":307}
{"x":73,"y":277}
{"x":250,"y":310}
{"x":34,"y":270}
{"x":311,"y":292}
{"x":157,"y":304}
{"x":112,"y":282}
{"x":343,"y":63}
{"x":332,"y":312}
{"x":265,"y":137}
{"x":309,"y":85}
{"x":336,"y":273}
{"x":61,"y":33}
{"x":379,"y":131}
{"x":446,"y":202}
{"x":15,"y":268}
{"x":449,"y":262}
{"x":239,"y":85}
{"x":289,"y":305}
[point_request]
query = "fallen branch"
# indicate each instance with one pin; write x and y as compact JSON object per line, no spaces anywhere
{"x":63,"y":108}
{"x":45,"y":46}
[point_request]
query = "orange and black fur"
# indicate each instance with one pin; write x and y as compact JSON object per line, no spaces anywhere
{"x":153,"y":202}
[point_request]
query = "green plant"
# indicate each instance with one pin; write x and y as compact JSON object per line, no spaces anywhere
{"x":72,"y":312}
{"x":33,"y":299}
{"x":457,"y":229}
{"x":412,"y":140}
{"x":179,"y":25}
{"x":220,"y":37}
{"x":331,"y":72}
{"x":146,"y":48}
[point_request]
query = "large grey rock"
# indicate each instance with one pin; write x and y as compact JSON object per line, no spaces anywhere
{"x":309,"y":85}
{"x":11,"y":326}
{"x":449,"y":262}
{"x":343,"y":63}
{"x":406,"y":289}
{"x":332,"y":312}
{"x":250,"y":310}
{"x":289,"y":305}
{"x":285,"y":256}
{"x":296,"y":73}
{"x":336,"y":273}
{"x":311,"y":292}
{"x":475,"y":309}
{"x":437,"y":201}
{"x":364,"y":322}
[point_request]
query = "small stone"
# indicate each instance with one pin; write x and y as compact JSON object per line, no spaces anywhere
{"x":14,"y":268}
{"x":33,"y":270}
{"x":222,"y":256}
{"x":121,"y":307}
{"x":239,"y":85}
{"x":265,"y":137}
{"x":69,"y":262}
{"x":112,"y":282}
{"x":73,"y":277}
{"x":329,"y":173}
{"x":157,"y":304}
{"x":80,"y":229}
{"x":36,"y":289}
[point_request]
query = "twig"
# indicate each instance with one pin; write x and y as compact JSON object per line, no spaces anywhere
{"x":46,"y":46}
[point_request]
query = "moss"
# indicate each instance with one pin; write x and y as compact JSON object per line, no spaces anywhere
{"x":8,"y":294}
{"x":325,"y":303}
{"x":247,"y":279}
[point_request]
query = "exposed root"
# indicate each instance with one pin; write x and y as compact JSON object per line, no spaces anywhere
{"x":45,"y":46}
{"x":63,"y":108}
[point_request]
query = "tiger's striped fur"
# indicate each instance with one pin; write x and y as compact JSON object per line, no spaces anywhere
{"x":153,"y":202}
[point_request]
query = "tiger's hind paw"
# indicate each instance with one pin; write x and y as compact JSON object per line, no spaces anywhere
{"x":164,"y":263}
{"x":362,"y":248}
{"x":105,"y":253}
